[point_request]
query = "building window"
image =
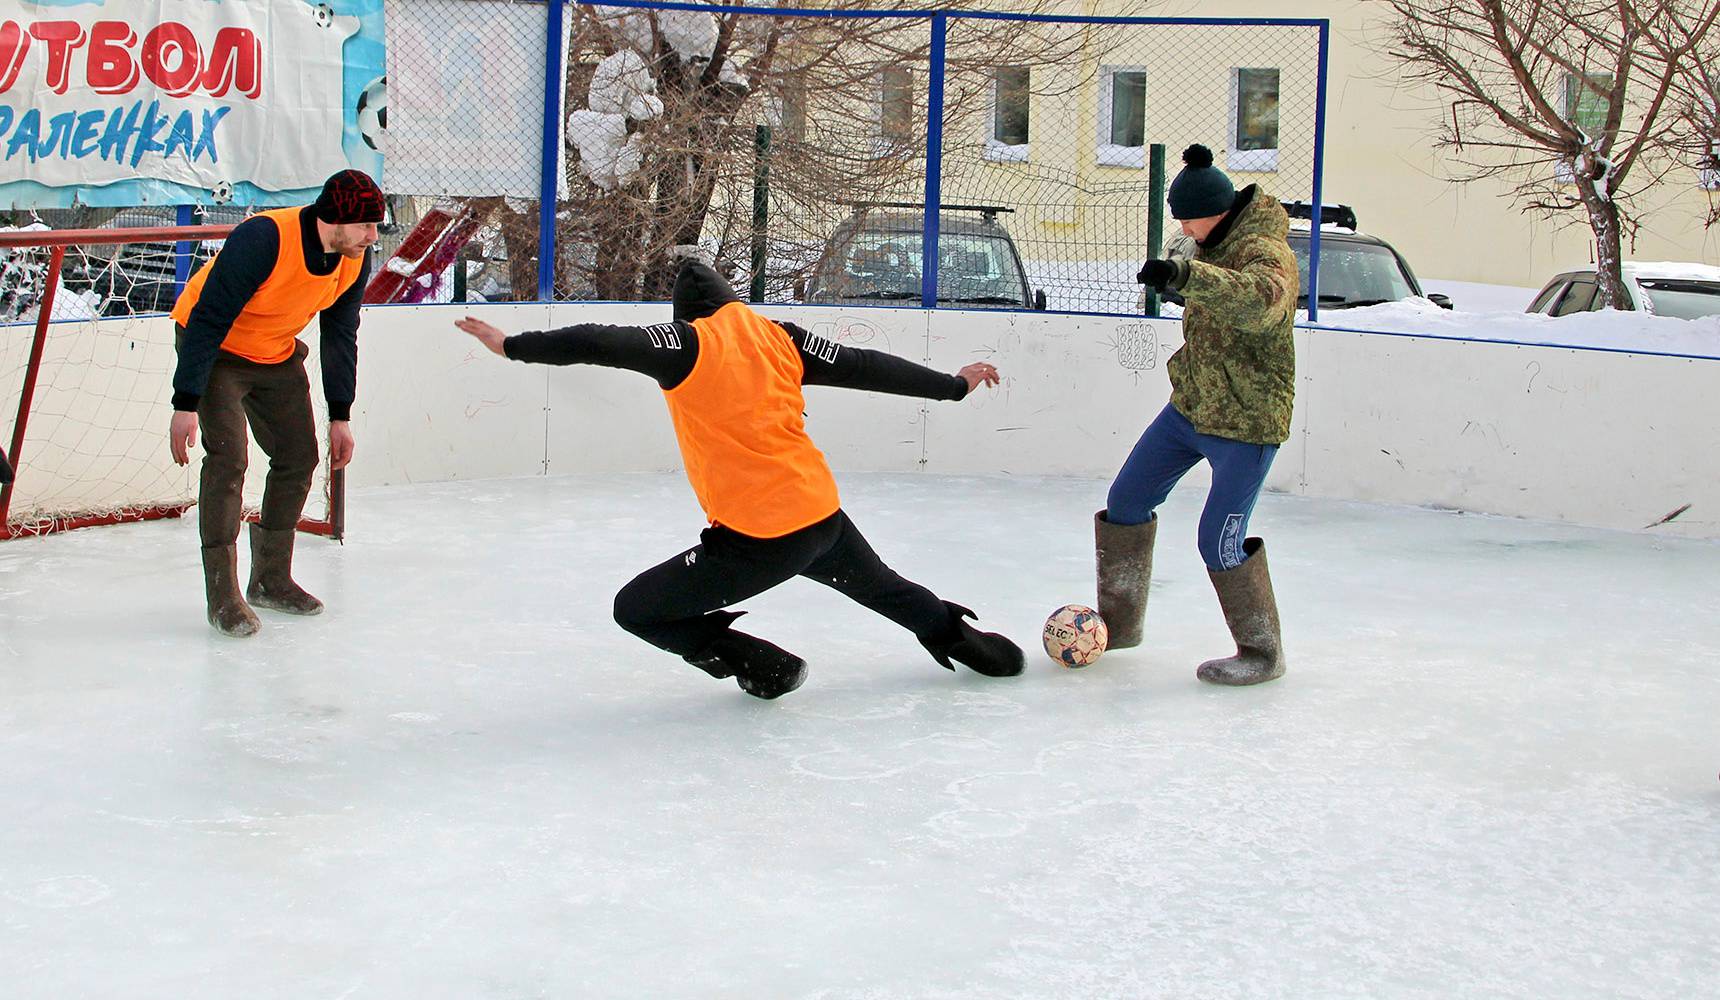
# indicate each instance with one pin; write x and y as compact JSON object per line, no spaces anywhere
{"x":790,"y":112}
{"x":1009,"y":107}
{"x":1253,"y":120}
{"x":1586,"y":105}
{"x":896,"y":105}
{"x":1122,"y":116}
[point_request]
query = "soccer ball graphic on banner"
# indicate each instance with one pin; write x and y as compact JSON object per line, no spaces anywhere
{"x":1075,"y":635}
{"x":372,"y":113}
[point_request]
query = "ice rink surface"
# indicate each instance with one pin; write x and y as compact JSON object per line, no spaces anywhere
{"x":1490,"y":771}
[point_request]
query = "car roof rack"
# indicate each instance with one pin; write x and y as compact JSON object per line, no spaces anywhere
{"x":990,"y":212}
{"x":1342,"y":216}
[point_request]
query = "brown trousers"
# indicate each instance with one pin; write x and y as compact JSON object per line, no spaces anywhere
{"x":276,"y":400}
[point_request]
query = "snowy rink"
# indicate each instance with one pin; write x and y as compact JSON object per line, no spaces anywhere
{"x":1490,"y":771}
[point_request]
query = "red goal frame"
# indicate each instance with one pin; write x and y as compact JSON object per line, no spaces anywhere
{"x":56,"y":242}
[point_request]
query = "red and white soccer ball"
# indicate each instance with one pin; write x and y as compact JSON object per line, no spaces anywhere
{"x":1075,"y":635}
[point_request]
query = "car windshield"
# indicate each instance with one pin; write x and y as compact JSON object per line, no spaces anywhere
{"x":973,"y":267}
{"x":1352,"y":274}
{"x":1682,"y":298}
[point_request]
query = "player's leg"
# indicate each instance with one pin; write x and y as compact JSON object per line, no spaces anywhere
{"x":1124,"y":532}
{"x":220,"y":495}
{"x":677,"y":604}
{"x":1236,"y":563}
{"x":851,"y":567}
{"x":279,"y":406}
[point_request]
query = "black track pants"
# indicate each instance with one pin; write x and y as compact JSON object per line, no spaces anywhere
{"x":674,"y":605}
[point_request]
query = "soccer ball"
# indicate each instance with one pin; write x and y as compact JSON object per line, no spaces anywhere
{"x":372,"y":112}
{"x":1075,"y":635}
{"x":221,"y":193}
{"x":323,"y":15}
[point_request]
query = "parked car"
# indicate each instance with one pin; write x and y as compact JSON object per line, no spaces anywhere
{"x":1680,"y":291}
{"x":1356,"y":269}
{"x":876,"y":257}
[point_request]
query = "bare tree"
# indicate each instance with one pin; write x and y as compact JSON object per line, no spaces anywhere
{"x":1578,"y":101}
{"x":1699,"y":122}
{"x":663,"y":108}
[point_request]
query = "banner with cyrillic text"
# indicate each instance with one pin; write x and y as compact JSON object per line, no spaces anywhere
{"x":129,"y":102}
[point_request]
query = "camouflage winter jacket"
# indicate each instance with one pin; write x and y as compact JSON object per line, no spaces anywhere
{"x":1235,"y":375}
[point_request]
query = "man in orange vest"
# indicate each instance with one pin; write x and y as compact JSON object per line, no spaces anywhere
{"x":238,"y":323}
{"x":733,"y":381}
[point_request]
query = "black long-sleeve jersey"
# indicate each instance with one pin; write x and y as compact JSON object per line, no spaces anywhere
{"x":245,"y":262}
{"x":667,"y":351}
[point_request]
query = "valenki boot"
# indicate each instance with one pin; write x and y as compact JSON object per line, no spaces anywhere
{"x":272,"y":583}
{"x":1251,"y":612}
{"x":762,"y":669}
{"x":1125,"y":557}
{"x":982,"y":652}
{"x":228,"y":612}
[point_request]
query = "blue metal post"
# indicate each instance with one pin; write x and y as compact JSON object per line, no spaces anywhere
{"x":182,"y":251}
{"x":552,"y":87}
{"x":1319,"y":175}
{"x":934,"y":165}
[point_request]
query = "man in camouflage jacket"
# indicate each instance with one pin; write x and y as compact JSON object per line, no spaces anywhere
{"x":1232,"y":389}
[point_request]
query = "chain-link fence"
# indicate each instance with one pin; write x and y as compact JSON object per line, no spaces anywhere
{"x":801,"y":148}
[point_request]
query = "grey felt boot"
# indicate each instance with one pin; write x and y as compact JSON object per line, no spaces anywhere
{"x":1251,"y":611}
{"x":1125,"y":557}
{"x":228,"y":612}
{"x":272,"y":583}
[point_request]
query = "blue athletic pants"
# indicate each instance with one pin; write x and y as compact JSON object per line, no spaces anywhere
{"x":1169,"y":448}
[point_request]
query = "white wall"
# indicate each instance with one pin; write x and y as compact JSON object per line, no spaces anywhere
{"x":1592,"y":437}
{"x":1597,"y":438}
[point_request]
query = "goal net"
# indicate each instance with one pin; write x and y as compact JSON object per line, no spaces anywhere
{"x":86,"y":372}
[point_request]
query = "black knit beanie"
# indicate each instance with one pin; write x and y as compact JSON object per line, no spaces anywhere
{"x":1200,"y":190}
{"x":348,"y":197}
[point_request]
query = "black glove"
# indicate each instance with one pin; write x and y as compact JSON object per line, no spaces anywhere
{"x":5,"y":468}
{"x":1158,"y":273}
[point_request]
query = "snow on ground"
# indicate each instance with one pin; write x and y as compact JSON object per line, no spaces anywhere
{"x":1611,"y":329}
{"x":1477,"y":297}
{"x":1489,"y":772}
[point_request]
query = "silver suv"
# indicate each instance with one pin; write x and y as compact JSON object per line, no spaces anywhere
{"x":1678,"y":291}
{"x":876,"y":257}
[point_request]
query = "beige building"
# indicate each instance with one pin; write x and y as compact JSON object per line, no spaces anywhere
{"x":1073,"y":150}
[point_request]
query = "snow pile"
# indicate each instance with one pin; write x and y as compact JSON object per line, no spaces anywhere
{"x":692,"y":34}
{"x":622,"y":88}
{"x":1476,"y":296}
{"x":630,"y":25}
{"x":1671,"y":269}
{"x":1609,"y":329}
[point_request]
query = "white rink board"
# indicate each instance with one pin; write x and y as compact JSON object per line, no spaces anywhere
{"x":1590,"y":437}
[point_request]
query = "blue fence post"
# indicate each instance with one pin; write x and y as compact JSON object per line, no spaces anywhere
{"x":934,"y":165}
{"x":1319,"y":175}
{"x":552,"y":85}
{"x":182,"y":250}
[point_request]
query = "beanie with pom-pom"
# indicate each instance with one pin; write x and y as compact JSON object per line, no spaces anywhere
{"x":1200,"y":189}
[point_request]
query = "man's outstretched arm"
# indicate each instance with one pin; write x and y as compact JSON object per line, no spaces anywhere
{"x":664,"y":351}
{"x":829,"y":363}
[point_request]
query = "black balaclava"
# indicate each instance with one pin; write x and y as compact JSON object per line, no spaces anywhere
{"x":700,"y":291}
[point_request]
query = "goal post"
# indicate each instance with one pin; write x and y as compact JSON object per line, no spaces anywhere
{"x":87,"y":356}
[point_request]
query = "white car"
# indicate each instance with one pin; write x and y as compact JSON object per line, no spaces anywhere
{"x":1678,"y":291}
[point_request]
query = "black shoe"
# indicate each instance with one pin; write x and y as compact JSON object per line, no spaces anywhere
{"x":982,"y":652}
{"x":762,"y":669}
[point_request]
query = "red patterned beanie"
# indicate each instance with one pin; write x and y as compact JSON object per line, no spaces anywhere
{"x":348,"y":197}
